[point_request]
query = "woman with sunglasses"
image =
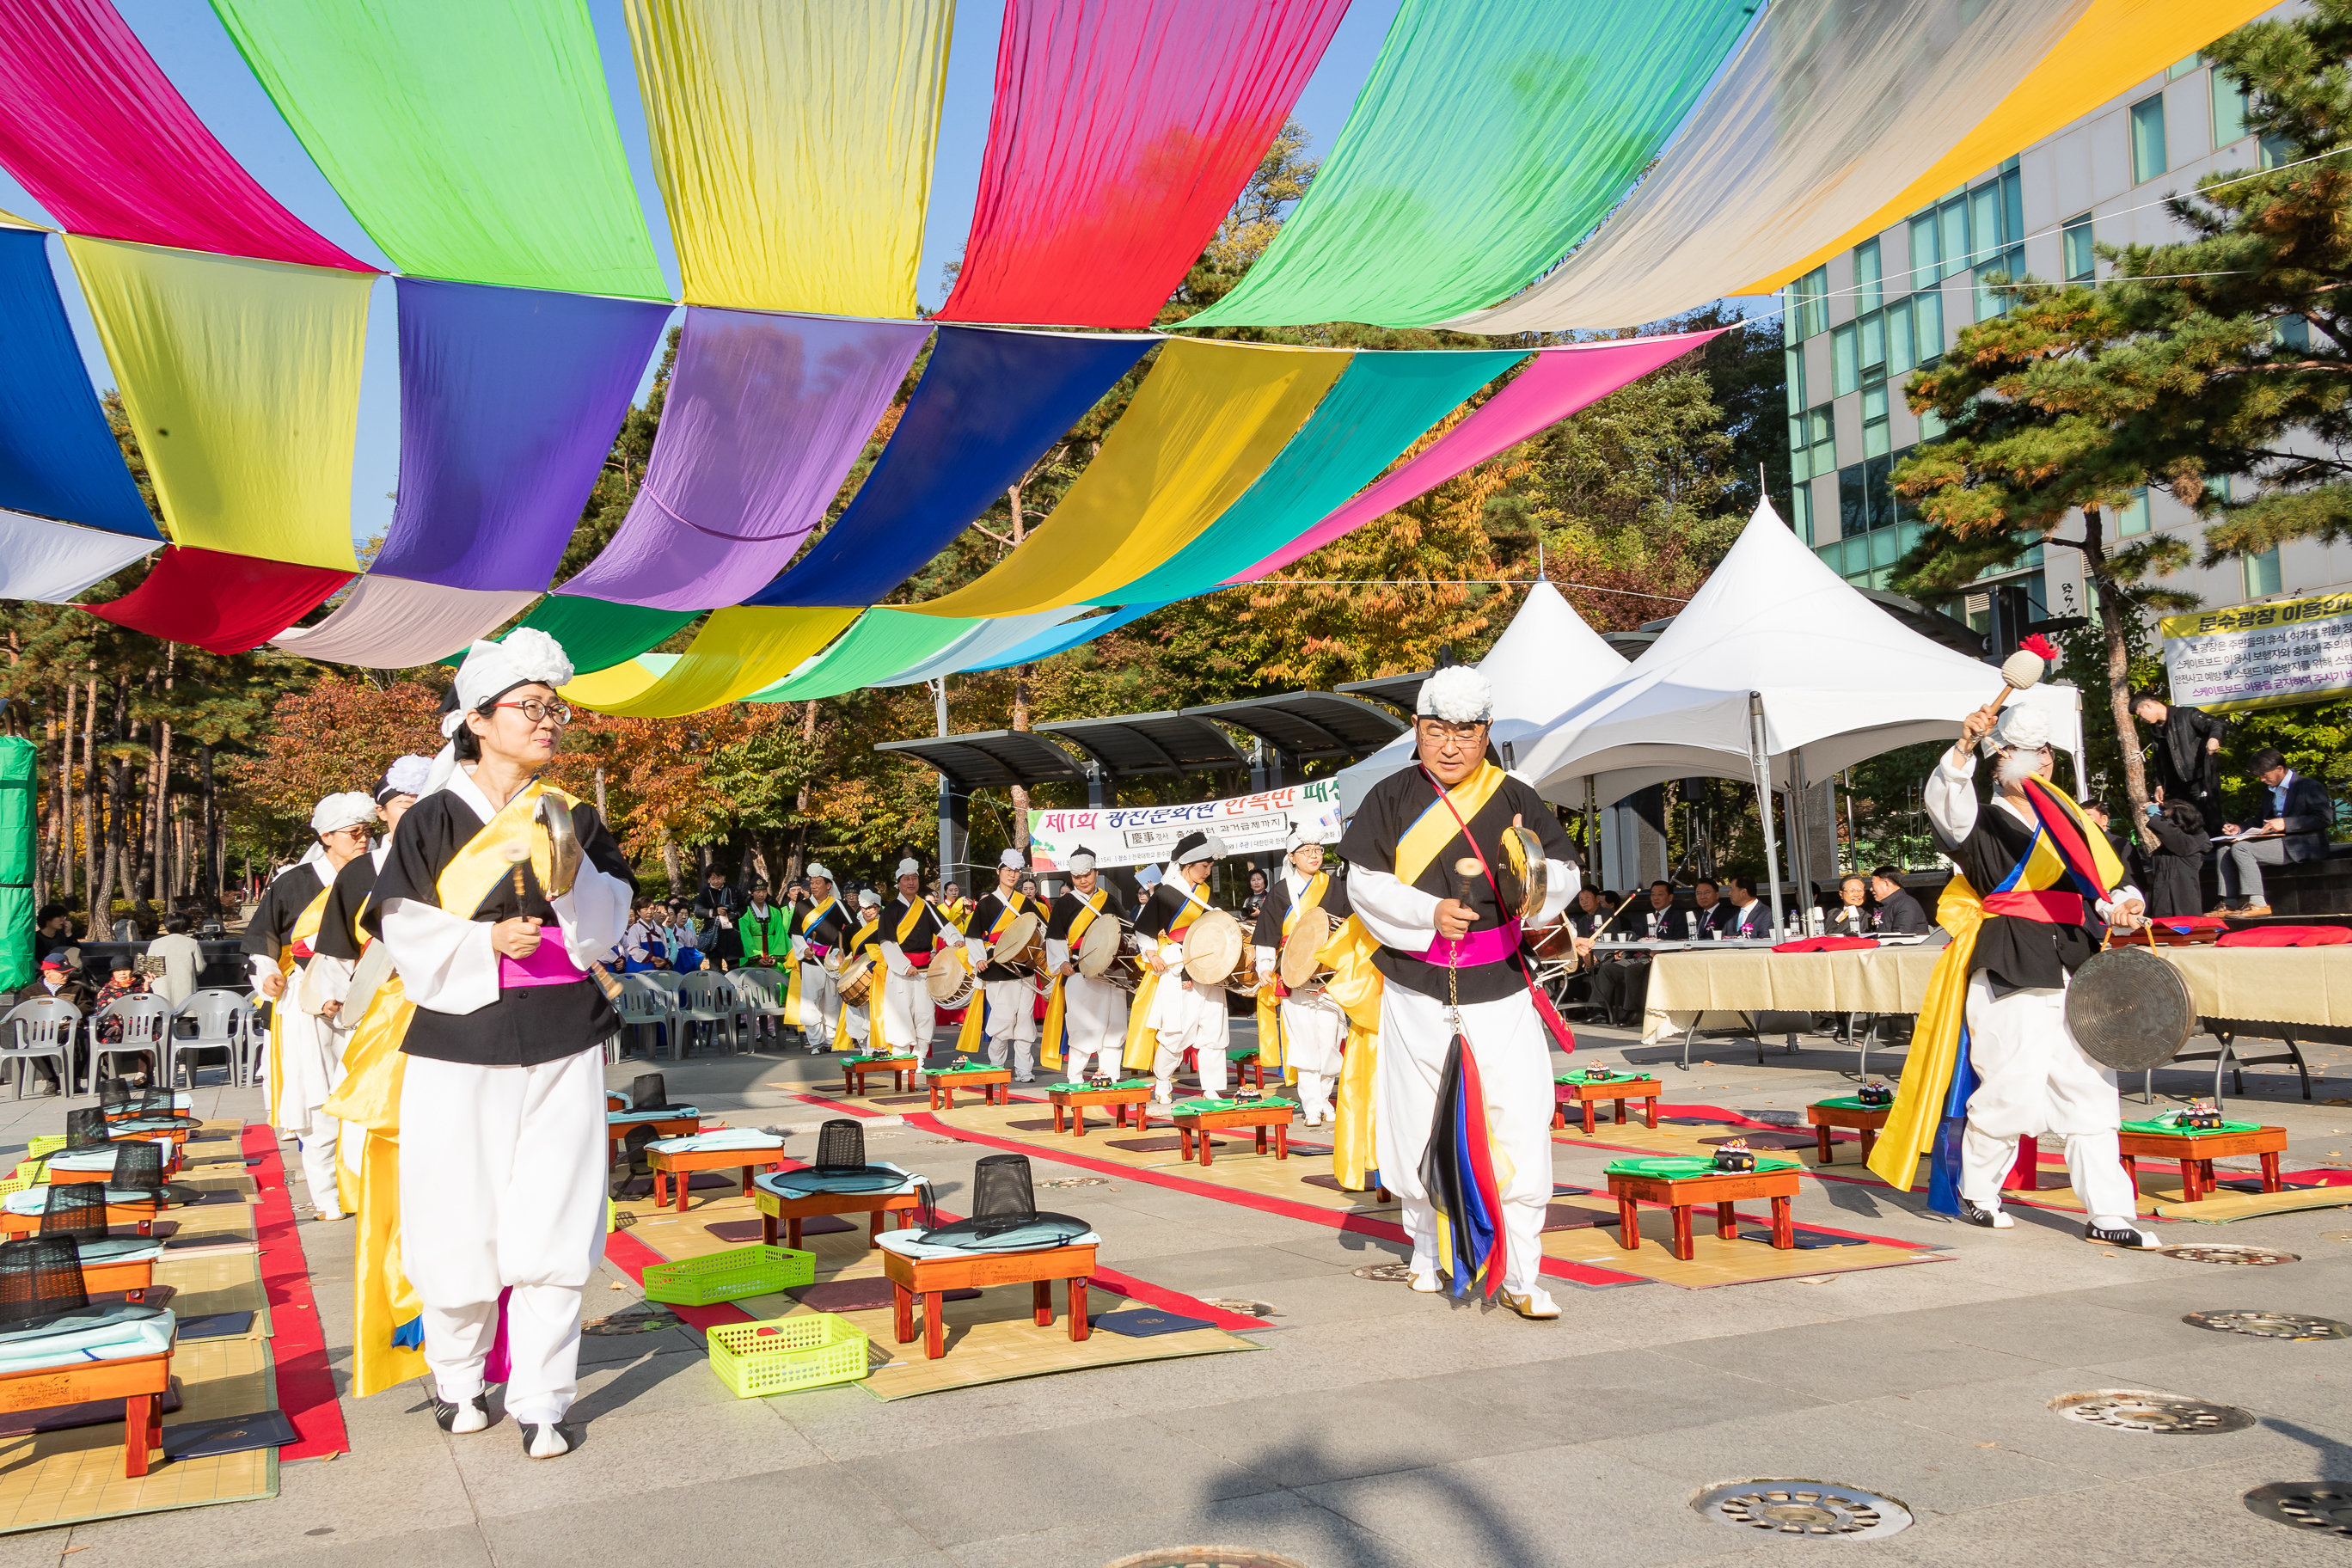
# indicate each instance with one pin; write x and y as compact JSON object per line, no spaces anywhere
{"x":502,"y":1168}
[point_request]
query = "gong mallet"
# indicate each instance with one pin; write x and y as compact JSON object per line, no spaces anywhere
{"x":2019,"y":670}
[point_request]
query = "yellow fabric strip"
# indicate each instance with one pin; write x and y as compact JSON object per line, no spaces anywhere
{"x":600,"y":688}
{"x":1356,"y":985}
{"x":2115,"y":44}
{"x":1208,"y":420}
{"x":1273,"y":1044}
{"x":736,"y":653}
{"x":368,"y":1101}
{"x":1428,"y":838}
{"x":792,"y":140}
{"x":1935,"y":1056}
{"x":306,"y":926}
{"x":242,"y":379}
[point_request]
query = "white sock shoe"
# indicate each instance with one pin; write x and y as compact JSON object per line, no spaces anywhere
{"x":1426,"y":1282}
{"x":547,"y":1440}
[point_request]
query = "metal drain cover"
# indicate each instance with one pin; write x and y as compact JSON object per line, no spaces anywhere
{"x":2307,"y":1505}
{"x":2220,"y":1252}
{"x":2270,"y":1325}
{"x":1393,"y":1273}
{"x":1078,"y":1182}
{"x":1811,"y":1508}
{"x":644,"y":1318}
{"x":2143,"y":1410}
{"x":1208,"y":1557}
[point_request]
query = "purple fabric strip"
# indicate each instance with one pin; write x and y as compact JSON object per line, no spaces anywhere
{"x":509,"y":402}
{"x":1492,"y":945}
{"x":764,"y":416}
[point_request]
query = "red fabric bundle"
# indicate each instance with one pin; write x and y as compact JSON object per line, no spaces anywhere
{"x":2287,"y":936}
{"x":1823,"y":944}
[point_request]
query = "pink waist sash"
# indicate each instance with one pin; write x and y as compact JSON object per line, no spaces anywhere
{"x":1492,"y":945}
{"x":551,"y":965}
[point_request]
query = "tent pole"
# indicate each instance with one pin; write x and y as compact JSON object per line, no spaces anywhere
{"x":1801,"y":839}
{"x":1760,"y":762}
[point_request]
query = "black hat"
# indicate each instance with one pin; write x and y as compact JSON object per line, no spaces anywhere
{"x":41,"y":1279}
{"x":841,"y":1160}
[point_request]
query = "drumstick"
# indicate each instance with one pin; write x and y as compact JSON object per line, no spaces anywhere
{"x":2019,"y":670}
{"x":518,"y":856}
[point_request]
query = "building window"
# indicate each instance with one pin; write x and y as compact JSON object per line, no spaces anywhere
{"x":1926,"y":260}
{"x":1821,"y":439}
{"x":1873,"y":347}
{"x":1994,"y":294}
{"x":1795,"y":362}
{"x":1853,"y":502}
{"x":2175,"y":71}
{"x":1867,"y":292}
{"x":1844,"y":364}
{"x":2082,"y":261}
{"x":1873,"y":421}
{"x":1952,"y":235}
{"x":2133,"y":517}
{"x":1928,"y":326}
{"x":1900,"y":355}
{"x":2292,"y":332}
{"x":2272,"y":152}
{"x":1800,"y":509}
{"x":1808,"y":305}
{"x":2229,"y":110}
{"x":2261,"y":573}
{"x":1931,"y":425}
{"x":2147,"y":139}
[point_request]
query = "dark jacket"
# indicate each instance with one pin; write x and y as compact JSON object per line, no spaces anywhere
{"x":2308,"y":817}
{"x":1754,"y":921}
{"x":1714,"y":919}
{"x":2183,"y":766}
{"x":1673,"y":924}
{"x":2172,"y":868}
{"x":1899,"y":915}
{"x":1847,"y":920}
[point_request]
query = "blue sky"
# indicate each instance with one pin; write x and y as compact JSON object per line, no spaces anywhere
{"x":193,"y":51}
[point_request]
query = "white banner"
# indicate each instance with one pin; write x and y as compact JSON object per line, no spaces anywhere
{"x":2261,"y":655}
{"x":1146,"y":835}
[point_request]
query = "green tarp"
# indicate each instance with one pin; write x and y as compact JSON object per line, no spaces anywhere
{"x":18,"y":771}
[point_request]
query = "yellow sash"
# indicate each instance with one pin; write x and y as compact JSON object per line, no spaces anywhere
{"x":1429,"y":835}
{"x":861,"y":941}
{"x":1142,"y":1046}
{"x":968,"y":1036}
{"x":1919,"y":1107}
{"x":1049,"y":1045}
{"x":1272,"y":1047}
{"x":306,"y":926}
{"x":906,"y":922}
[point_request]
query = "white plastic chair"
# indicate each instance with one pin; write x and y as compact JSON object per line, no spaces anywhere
{"x":146,"y":1031}
{"x":760,"y":993}
{"x":42,"y":1027}
{"x":224,"y":1023}
{"x":645,"y":1010}
{"x":708,"y":1000}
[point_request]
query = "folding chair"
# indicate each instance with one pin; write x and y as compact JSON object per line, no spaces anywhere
{"x":146,"y":1031}
{"x":42,"y":1027}
{"x":707,"y":999}
{"x":224,"y":1022}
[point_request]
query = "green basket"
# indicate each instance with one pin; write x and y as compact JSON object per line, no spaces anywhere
{"x":43,"y":1145}
{"x":785,"y":1354}
{"x":754,"y":1270}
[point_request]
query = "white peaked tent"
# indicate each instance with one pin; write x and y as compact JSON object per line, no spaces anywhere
{"x":1776,"y":662}
{"x":1545,"y":663}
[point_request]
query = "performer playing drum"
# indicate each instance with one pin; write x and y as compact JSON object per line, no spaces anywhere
{"x":1085,"y":1015}
{"x":911,"y":932}
{"x":1172,"y":1011}
{"x":502,"y":1145}
{"x":1300,"y":1030}
{"x":1992,"y":1044}
{"x":1007,"y":1015}
{"x":854,"y":1029}
{"x":820,"y":926}
{"x":1449,"y":957}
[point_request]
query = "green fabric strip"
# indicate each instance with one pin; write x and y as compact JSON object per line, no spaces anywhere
{"x":879,"y":646}
{"x":598,"y":634}
{"x":1489,"y":140}
{"x":474,"y":143}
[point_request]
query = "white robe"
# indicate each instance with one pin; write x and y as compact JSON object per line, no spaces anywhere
{"x":1094,"y":1018}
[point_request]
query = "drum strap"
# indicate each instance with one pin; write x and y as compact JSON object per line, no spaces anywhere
{"x":1560,"y":1033}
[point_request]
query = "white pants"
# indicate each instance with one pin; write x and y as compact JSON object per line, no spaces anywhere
{"x":1313,"y":1029}
{"x":1009,"y":1015}
{"x":1194,"y":1019}
{"x":319,"y":1140}
{"x":2034,"y":1081}
{"x":857,"y":1021}
{"x":1514,"y":1056}
{"x":1094,"y":1027}
{"x":820,"y":1004}
{"x":309,"y":1061}
{"x":909,"y":1017}
{"x":502,"y":1183}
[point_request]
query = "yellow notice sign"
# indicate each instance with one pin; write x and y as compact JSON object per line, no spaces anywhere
{"x":2261,"y":655}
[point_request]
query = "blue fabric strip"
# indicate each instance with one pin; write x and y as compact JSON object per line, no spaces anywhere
{"x":57,"y":458}
{"x":989,"y":405}
{"x":1063,"y":638}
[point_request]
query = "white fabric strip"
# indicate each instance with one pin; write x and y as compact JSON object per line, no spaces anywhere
{"x":53,"y":562}
{"x":391,"y":623}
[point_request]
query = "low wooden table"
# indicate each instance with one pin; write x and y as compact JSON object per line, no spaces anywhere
{"x":902,"y":1068}
{"x":775,"y":1206}
{"x":2196,"y":1151}
{"x":995,"y":1084}
{"x":1592,"y":1091}
{"x":616,"y":1133}
{"x":677,"y":1169}
{"x":1867,"y":1119}
{"x":142,"y":1218}
{"x":932,"y":1278}
{"x":133,"y":1278}
{"x":1136,"y":1097}
{"x":1273,"y":1114}
{"x":1723,"y":1189}
{"x":138,"y":1381}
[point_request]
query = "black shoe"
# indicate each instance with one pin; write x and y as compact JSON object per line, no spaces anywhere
{"x":447,"y":1414}
{"x":1990,"y":1219}
{"x":2100,"y":1237}
{"x":551,"y":1440}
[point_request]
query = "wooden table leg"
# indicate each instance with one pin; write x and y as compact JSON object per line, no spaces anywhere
{"x":1588,"y":1115}
{"x":1650,"y":1112}
{"x":2130,"y":1164}
{"x":1257,"y":1144}
{"x":1207,"y":1147}
{"x":1282,"y":1141}
{"x":935,"y":1096}
{"x":935,"y":1332}
{"x":1823,"y":1133}
{"x":902,"y":1301}
{"x":1079,"y":1327}
{"x":682,"y":1183}
{"x":792,"y":1232}
{"x":138,"y":1427}
{"x":2192,"y":1182}
{"x":1142,"y":1121}
{"x":1183,"y":1143}
{"x":1685,"y":1248}
{"x":1629,"y":1225}
{"x":1726,"y":1222}
{"x":1041,"y":1302}
{"x":747,"y":1180}
{"x":1869,"y":1138}
{"x":1058,"y":1115}
{"x":1559,"y":1116}
{"x":1784,"y":1226}
{"x":768,"y":1230}
{"x":661,"y":1189}
{"x":2271,"y":1181}
{"x":874,"y":1230}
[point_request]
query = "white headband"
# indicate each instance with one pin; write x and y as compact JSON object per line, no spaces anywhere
{"x":910,"y":866}
{"x":1457,"y":694}
{"x":346,"y":810}
{"x":1011,"y":861}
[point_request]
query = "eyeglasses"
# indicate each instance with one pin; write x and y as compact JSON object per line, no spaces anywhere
{"x":540,"y":713}
{"x":1439,"y":729}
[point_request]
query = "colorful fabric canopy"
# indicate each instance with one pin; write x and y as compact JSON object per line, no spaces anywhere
{"x":1560,"y":381}
{"x":624,"y":682}
{"x":55,"y":561}
{"x":1828,"y":106}
{"x":883,"y":642}
{"x":1489,"y":140}
{"x":737,"y":652}
{"x":472,"y":142}
{"x":93,"y":128}
{"x":1064,"y":637}
{"x":2115,"y":44}
{"x":1121,"y":132}
{"x":58,"y":457}
{"x":1209,"y":417}
{"x":793,"y":141}
{"x":989,"y":405}
{"x":390,"y":622}
{"x":227,"y":604}
{"x":509,"y":402}
{"x":987,"y":641}
{"x":764,"y":415}
{"x":598,"y":634}
{"x":1380,"y":407}
{"x":242,"y":381}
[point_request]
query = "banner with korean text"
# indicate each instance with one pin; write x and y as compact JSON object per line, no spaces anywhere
{"x":1147,"y":835}
{"x":2261,"y":655}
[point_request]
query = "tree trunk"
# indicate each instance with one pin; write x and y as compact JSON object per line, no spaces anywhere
{"x":2113,"y":608}
{"x":600,"y":796}
{"x":1021,"y":696}
{"x":211,"y":873}
{"x":669,"y":860}
{"x":91,"y":886}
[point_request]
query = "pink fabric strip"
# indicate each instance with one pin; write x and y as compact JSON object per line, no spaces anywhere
{"x":1489,"y":946}
{"x":1560,"y":381}
{"x":549,"y":966}
{"x":91,"y":126}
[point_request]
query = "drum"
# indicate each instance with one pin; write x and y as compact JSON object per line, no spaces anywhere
{"x":1300,"y":970}
{"x":1216,"y":953}
{"x":854,"y":977}
{"x":1521,"y":873}
{"x":1127,"y":967}
{"x":1556,"y":941}
{"x":1099,"y":948}
{"x":1022,"y":946}
{"x":2129,"y":1010}
{"x":950,"y":979}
